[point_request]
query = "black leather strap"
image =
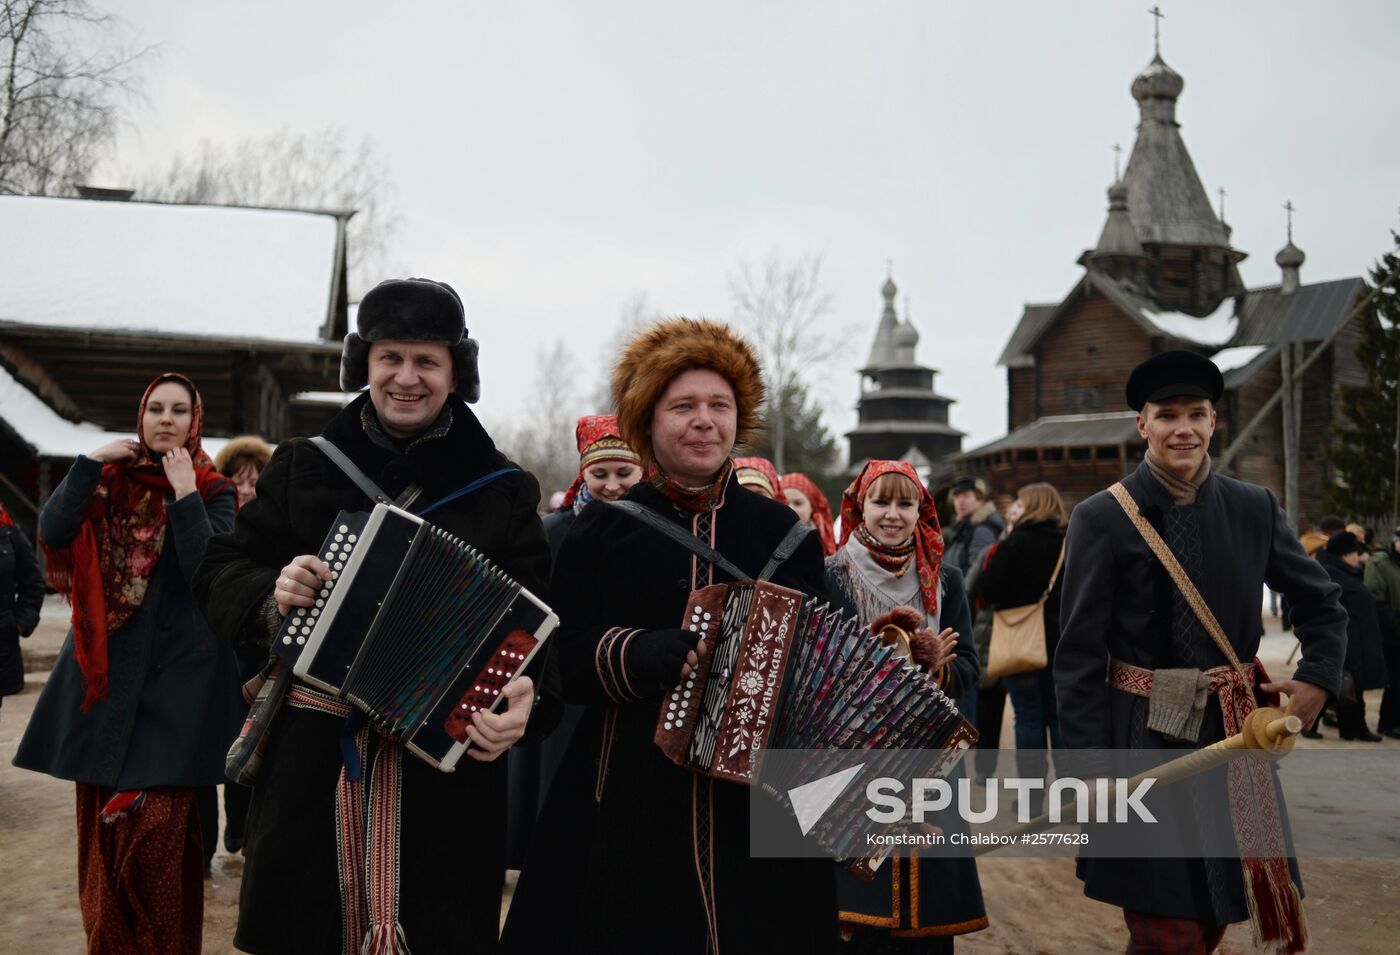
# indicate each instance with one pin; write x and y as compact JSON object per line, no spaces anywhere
{"x":371,"y":490}
{"x":681,"y":536}
{"x":786,"y":548}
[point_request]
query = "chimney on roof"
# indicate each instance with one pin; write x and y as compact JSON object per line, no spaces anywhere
{"x":105,"y":195}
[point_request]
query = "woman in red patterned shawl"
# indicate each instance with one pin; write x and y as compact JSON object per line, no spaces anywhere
{"x":807,"y":500}
{"x":141,"y":705}
{"x":891,"y":561}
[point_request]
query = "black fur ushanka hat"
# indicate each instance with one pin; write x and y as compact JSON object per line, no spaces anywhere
{"x":415,"y":310}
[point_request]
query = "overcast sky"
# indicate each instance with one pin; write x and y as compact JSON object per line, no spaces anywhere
{"x":553,"y":159}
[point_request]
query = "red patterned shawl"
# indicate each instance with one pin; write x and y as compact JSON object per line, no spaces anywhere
{"x":105,"y":570}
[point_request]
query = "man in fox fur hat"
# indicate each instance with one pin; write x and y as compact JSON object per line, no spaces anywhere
{"x":633,"y":853}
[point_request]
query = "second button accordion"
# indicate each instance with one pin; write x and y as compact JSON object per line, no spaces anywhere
{"x":416,"y":629}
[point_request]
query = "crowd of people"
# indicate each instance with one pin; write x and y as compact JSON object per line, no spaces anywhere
{"x":181,"y":569}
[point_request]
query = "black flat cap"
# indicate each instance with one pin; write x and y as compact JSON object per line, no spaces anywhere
{"x":1173,"y":374}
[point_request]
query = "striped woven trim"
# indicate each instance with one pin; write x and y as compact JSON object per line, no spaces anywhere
{"x":306,"y":698}
{"x":610,"y":663}
{"x":1138,"y":680}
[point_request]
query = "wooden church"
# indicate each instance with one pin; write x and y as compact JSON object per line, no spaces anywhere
{"x":1162,"y":276}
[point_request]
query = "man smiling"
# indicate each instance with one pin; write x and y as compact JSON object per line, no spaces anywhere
{"x":306,"y":888}
{"x":633,"y":853}
{"x":1135,"y":649}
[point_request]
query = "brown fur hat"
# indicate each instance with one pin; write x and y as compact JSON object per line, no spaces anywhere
{"x":241,"y":451}
{"x":665,"y":349}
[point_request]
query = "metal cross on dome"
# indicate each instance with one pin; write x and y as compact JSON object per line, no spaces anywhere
{"x":1156,"y":11}
{"x":1289,"y":207}
{"x":1117,"y":156}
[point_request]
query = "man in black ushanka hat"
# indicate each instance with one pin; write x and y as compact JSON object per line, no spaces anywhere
{"x":1134,"y":650}
{"x":307,"y":887}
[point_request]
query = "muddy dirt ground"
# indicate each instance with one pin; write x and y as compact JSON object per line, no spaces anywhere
{"x":1035,"y":905}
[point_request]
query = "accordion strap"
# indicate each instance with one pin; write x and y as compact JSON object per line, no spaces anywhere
{"x":704,"y":551}
{"x":681,"y":536}
{"x":786,"y":548}
{"x":371,"y":490}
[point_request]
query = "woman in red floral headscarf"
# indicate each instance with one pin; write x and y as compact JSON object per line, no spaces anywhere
{"x":607,"y":469}
{"x":891,"y":560}
{"x":759,"y":476}
{"x":141,"y":705}
{"x":802,"y":495}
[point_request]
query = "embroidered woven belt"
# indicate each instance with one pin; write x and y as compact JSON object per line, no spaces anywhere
{"x":1138,"y":680}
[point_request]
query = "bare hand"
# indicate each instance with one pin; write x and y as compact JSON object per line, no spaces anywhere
{"x":1305,"y":700}
{"x":116,"y":452}
{"x":933,"y":651}
{"x":300,"y":582}
{"x":179,"y":471}
{"x":494,"y":733}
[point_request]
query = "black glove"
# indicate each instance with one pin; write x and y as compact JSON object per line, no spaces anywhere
{"x":655,"y":657}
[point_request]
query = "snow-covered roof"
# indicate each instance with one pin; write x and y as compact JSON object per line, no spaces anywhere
{"x":191,"y":270}
{"x":1217,"y":328}
{"x":52,"y":435}
{"x":1230,"y":358}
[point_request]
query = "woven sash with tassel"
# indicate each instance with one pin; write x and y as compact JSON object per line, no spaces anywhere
{"x":1275,"y":907}
{"x":367,"y":811}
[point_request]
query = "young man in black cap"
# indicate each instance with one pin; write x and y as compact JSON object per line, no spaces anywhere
{"x":1129,"y":634}
{"x":306,"y":888}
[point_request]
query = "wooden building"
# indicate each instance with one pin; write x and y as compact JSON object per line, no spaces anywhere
{"x":900,"y":415}
{"x":98,"y":297}
{"x":1163,"y":275}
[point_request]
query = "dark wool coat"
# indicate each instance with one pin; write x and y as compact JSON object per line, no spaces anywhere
{"x":172,"y":696}
{"x":453,"y":832}
{"x":556,"y":527}
{"x":533,"y":765}
{"x":613,"y":865}
{"x":1117,"y":601}
{"x":1018,"y":570}
{"x":917,"y":897}
{"x":21,"y":597}
{"x":1365,"y":658}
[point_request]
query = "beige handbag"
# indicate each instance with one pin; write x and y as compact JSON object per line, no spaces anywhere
{"x":1018,"y":634}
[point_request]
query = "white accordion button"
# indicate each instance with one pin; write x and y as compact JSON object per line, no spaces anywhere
{"x":287,"y":639}
{"x":343,"y":528}
{"x":320,"y":603}
{"x":301,"y":641}
{"x":668,"y":724}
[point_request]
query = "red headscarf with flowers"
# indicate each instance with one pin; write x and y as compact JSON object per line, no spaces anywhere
{"x":599,"y":439}
{"x":105,"y":570}
{"x":821,"y":510}
{"x":928,"y":535}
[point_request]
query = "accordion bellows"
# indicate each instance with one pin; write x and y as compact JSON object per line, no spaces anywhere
{"x":781,"y":670}
{"x":416,"y":629}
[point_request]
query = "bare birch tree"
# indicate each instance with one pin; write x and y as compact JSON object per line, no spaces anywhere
{"x":777,"y":305}
{"x":636,"y":312}
{"x":62,"y":86}
{"x":321,"y":169}
{"x":542,"y":441}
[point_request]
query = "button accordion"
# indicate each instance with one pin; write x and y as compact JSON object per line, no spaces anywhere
{"x":415,"y":628}
{"x":780,"y":670}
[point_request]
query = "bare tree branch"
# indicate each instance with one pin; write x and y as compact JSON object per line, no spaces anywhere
{"x":312,"y":170}
{"x":542,"y":441}
{"x":777,"y":305}
{"x":60,"y":107}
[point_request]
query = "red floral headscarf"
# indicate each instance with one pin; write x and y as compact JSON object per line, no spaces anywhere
{"x":764,"y":467}
{"x":105,"y":570}
{"x":5,"y":519}
{"x":599,"y":439}
{"x":821,"y":510}
{"x":928,"y":536}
